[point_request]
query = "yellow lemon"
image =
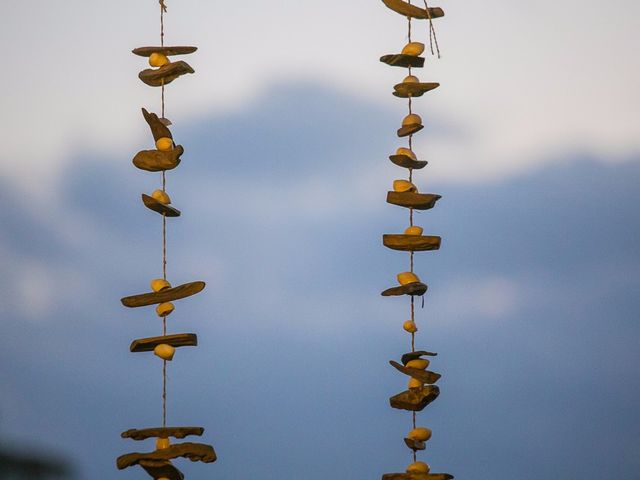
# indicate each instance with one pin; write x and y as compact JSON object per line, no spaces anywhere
{"x":415,"y":383}
{"x":418,"y":363}
{"x":165,"y":309}
{"x":418,"y":467}
{"x":403,"y":186}
{"x":159,"y":284}
{"x":164,"y":144}
{"x":411,"y":79}
{"x":420,"y":434}
{"x":162,"y":443}
{"x":406,"y":152}
{"x":164,"y":351}
{"x":414,"y":230}
{"x":410,"y":326}
{"x":406,"y":278}
{"x":158,"y":59}
{"x":161,"y":196}
{"x":414,"y":49}
{"x":412,"y":119}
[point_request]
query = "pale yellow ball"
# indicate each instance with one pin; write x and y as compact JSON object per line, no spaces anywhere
{"x":412,"y":119}
{"x":411,"y":79}
{"x":162,"y":443}
{"x":420,"y":434}
{"x":414,"y":49}
{"x":406,"y":152}
{"x":403,"y":186}
{"x":414,"y":230}
{"x":405,"y":278}
{"x":164,"y":144}
{"x":164,"y":351}
{"x":418,"y":467}
{"x":419,"y":363}
{"x":410,"y":326}
{"x":158,"y":59}
{"x":415,"y":383}
{"x":161,"y":196}
{"x":165,"y":309}
{"x":159,"y":284}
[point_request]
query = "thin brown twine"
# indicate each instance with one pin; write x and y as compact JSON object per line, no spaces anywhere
{"x":433,"y":39}
{"x":163,"y":8}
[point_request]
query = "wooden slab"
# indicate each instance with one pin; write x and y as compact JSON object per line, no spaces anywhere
{"x":418,"y":201}
{"x":407,"y":357}
{"x":407,"y":130}
{"x":407,"y":162}
{"x":411,"y":243}
{"x":157,"y":126}
{"x":153,"y":204}
{"x":406,"y":90}
{"x":196,"y":452}
{"x":425,"y":376}
{"x":158,"y":469}
{"x":168,"y":295}
{"x":177,"y":340}
{"x":408,"y":10}
{"x":168,"y":51}
{"x":415,"y":399}
{"x":402,"y":60}
{"x":157,"y":161}
{"x":415,"y":445}
{"x":156,"y":77}
{"x":162,"y":432}
{"x":413,"y":289}
{"x":417,"y":476}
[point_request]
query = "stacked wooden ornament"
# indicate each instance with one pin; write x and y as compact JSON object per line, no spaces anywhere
{"x":165,"y":156}
{"x":421,"y":388}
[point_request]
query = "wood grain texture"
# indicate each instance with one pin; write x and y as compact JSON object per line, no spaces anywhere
{"x":158,"y":469}
{"x":168,"y":51}
{"x":159,"y":207}
{"x":417,"y":476}
{"x":408,"y":10}
{"x":402,"y":60}
{"x":407,"y":162}
{"x":413,"y":289}
{"x":158,"y":128}
{"x":156,"y":77}
{"x":425,"y":376}
{"x":415,"y":399}
{"x":196,"y":452}
{"x":168,"y":295}
{"x":157,"y":161}
{"x":407,"y":130}
{"x":411,"y":243}
{"x":406,"y":90}
{"x":418,"y":201}
{"x":415,"y":445}
{"x":177,"y":340}
{"x":162,"y":432}
{"x":407,"y":357}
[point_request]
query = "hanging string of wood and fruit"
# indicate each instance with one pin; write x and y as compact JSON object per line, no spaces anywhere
{"x":165,"y":156}
{"x":421,"y":389}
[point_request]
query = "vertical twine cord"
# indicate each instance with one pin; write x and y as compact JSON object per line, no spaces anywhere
{"x":433,"y":39}
{"x":163,"y":8}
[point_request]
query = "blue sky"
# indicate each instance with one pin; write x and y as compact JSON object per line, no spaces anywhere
{"x":533,"y":297}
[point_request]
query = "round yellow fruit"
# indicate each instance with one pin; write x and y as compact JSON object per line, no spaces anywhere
{"x":164,"y":351}
{"x":415,"y":383}
{"x":414,"y":230}
{"x":412,"y":119}
{"x":165,"y":309}
{"x":158,"y":59}
{"x":164,"y":144}
{"x":411,"y":79}
{"x":414,"y":49}
{"x":410,"y":326}
{"x":418,"y":467}
{"x":403,"y":186}
{"x":405,"y":278}
{"x":406,"y":152}
{"x":420,"y":434}
{"x":418,"y":363}
{"x":161,"y":196}
{"x":162,"y":443}
{"x":159,"y":284}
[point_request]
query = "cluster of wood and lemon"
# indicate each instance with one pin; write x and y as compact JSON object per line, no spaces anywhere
{"x":165,"y":156}
{"x":421,"y":389}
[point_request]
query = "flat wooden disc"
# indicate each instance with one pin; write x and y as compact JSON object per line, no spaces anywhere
{"x":413,"y":289}
{"x":167,"y":295}
{"x":406,"y":90}
{"x":168,"y":51}
{"x":196,"y":452}
{"x":408,"y":10}
{"x":407,"y":357}
{"x":157,"y":161}
{"x":415,"y":445}
{"x":415,"y":399}
{"x":402,"y":60}
{"x":158,"y":469}
{"x":177,"y":340}
{"x":407,"y":130}
{"x":153,"y":204}
{"x":156,"y":77}
{"x":425,"y":376}
{"x":417,"y":476}
{"x":407,"y":162}
{"x":418,"y":201}
{"x":411,"y":243}
{"x":162,"y":432}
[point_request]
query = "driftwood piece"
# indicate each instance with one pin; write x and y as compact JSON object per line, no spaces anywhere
{"x":158,"y":128}
{"x":196,"y":452}
{"x":418,"y":201}
{"x":156,"y":77}
{"x":415,"y":399}
{"x":417,"y":476}
{"x":168,"y":295}
{"x":407,"y":130}
{"x":157,"y":160}
{"x":408,"y":10}
{"x":168,"y":51}
{"x":153,"y":204}
{"x":406,"y":90}
{"x":415,"y":445}
{"x":159,"y":469}
{"x":407,"y":162}
{"x":425,"y":376}
{"x":407,"y":357}
{"x":411,"y":243}
{"x":413,"y":289}
{"x":177,"y":340}
{"x":402,"y":60}
{"x":162,"y":432}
